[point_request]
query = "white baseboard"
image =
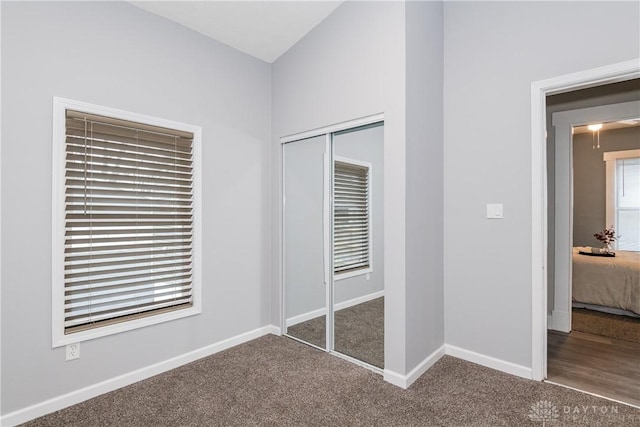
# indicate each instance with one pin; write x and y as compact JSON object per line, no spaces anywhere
{"x":340,"y":306}
{"x":358,"y":300}
{"x":559,"y":321}
{"x":306,"y":316}
{"x":488,"y":361}
{"x":274,"y":330}
{"x":404,"y":381}
{"x":77,"y":396}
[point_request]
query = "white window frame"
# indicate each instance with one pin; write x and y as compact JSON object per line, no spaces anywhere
{"x":368,"y":270}
{"x":610,"y":159}
{"x":60,"y":105}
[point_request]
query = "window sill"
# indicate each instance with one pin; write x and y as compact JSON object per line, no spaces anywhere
{"x":60,"y":339}
{"x":351,"y":274}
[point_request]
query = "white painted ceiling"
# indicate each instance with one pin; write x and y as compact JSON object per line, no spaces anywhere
{"x":263,"y":29}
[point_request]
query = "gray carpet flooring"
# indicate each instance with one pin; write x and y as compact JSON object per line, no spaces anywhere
{"x":358,"y":331}
{"x":608,"y":325}
{"x":276,"y":381}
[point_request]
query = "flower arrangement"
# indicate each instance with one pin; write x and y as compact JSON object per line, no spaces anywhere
{"x":607,"y":237}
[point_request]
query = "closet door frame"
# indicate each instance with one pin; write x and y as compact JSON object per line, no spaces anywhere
{"x":328,"y":131}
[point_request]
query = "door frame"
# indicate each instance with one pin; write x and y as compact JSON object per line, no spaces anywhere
{"x":539,"y":222}
{"x":564,"y":122}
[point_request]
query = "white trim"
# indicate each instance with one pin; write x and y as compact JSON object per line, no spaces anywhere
{"x":601,"y":113}
{"x":1,"y":227}
{"x":488,"y":361}
{"x":282,"y":237}
{"x":273,"y":330}
{"x":592,"y":394}
{"x":291,"y":321}
{"x":558,"y":321}
{"x":564,"y":122}
{"x":339,"y":306}
{"x":363,"y":121}
{"x":539,"y":90}
{"x":80,"y":395}
{"x":395,"y":378}
{"x":354,"y":273}
{"x":616,"y":155}
{"x":405,"y":381}
{"x":58,"y":337}
{"x":359,"y":300}
{"x":328,"y":236}
{"x":563,"y":215}
{"x":358,"y":362}
{"x":611,"y":177}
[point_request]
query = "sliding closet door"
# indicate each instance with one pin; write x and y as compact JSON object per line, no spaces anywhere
{"x":305,"y":240}
{"x":358,"y":245}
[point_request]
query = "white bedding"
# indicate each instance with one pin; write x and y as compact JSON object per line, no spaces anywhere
{"x":607,"y":281}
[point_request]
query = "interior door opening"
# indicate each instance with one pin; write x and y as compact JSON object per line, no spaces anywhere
{"x":594,"y":328}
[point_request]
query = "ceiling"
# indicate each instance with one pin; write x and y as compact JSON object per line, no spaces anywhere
{"x":609,"y":126}
{"x":263,"y":29}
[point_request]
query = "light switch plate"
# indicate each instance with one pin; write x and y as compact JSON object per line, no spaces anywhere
{"x":495,"y":211}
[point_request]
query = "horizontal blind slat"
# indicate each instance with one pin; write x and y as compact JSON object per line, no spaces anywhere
{"x":160,"y":150}
{"x":128,"y":220}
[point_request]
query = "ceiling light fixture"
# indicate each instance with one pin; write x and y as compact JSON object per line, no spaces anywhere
{"x":595,"y":128}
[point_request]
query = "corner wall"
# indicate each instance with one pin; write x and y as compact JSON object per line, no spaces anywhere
{"x":424,"y":169}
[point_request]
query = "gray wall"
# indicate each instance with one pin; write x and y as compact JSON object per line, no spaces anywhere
{"x":116,"y":55}
{"x":493,"y":51}
{"x":589,"y":178}
{"x":351,"y":65}
{"x":424,"y":169}
{"x":366,"y":145}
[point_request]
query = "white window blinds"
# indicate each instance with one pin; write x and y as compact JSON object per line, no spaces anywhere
{"x":128,"y":220}
{"x":351,"y":218}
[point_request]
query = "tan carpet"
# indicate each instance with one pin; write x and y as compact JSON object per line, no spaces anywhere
{"x":604,"y":324}
{"x":276,"y":381}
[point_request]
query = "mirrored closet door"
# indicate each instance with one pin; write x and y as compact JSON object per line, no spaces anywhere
{"x":333,"y":263}
{"x":305,"y":269}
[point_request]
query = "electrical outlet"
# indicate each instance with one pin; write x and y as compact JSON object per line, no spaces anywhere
{"x":73,"y":351}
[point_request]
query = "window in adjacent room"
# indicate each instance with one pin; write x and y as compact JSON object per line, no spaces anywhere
{"x":623,"y":197}
{"x":125,"y":221}
{"x":352,"y":218}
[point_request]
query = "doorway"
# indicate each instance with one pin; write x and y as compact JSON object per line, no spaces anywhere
{"x":540,"y":90}
{"x":594,"y":326}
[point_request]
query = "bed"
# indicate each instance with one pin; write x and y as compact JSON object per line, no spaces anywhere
{"x":607,"y":282}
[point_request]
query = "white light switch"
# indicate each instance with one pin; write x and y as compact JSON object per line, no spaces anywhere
{"x":495,"y":210}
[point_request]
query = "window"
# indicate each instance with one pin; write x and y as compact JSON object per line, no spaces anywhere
{"x":352,"y":218}
{"x":623,"y":197}
{"x":125,"y":221}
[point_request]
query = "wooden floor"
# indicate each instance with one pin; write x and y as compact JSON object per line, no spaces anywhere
{"x":596,"y":364}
